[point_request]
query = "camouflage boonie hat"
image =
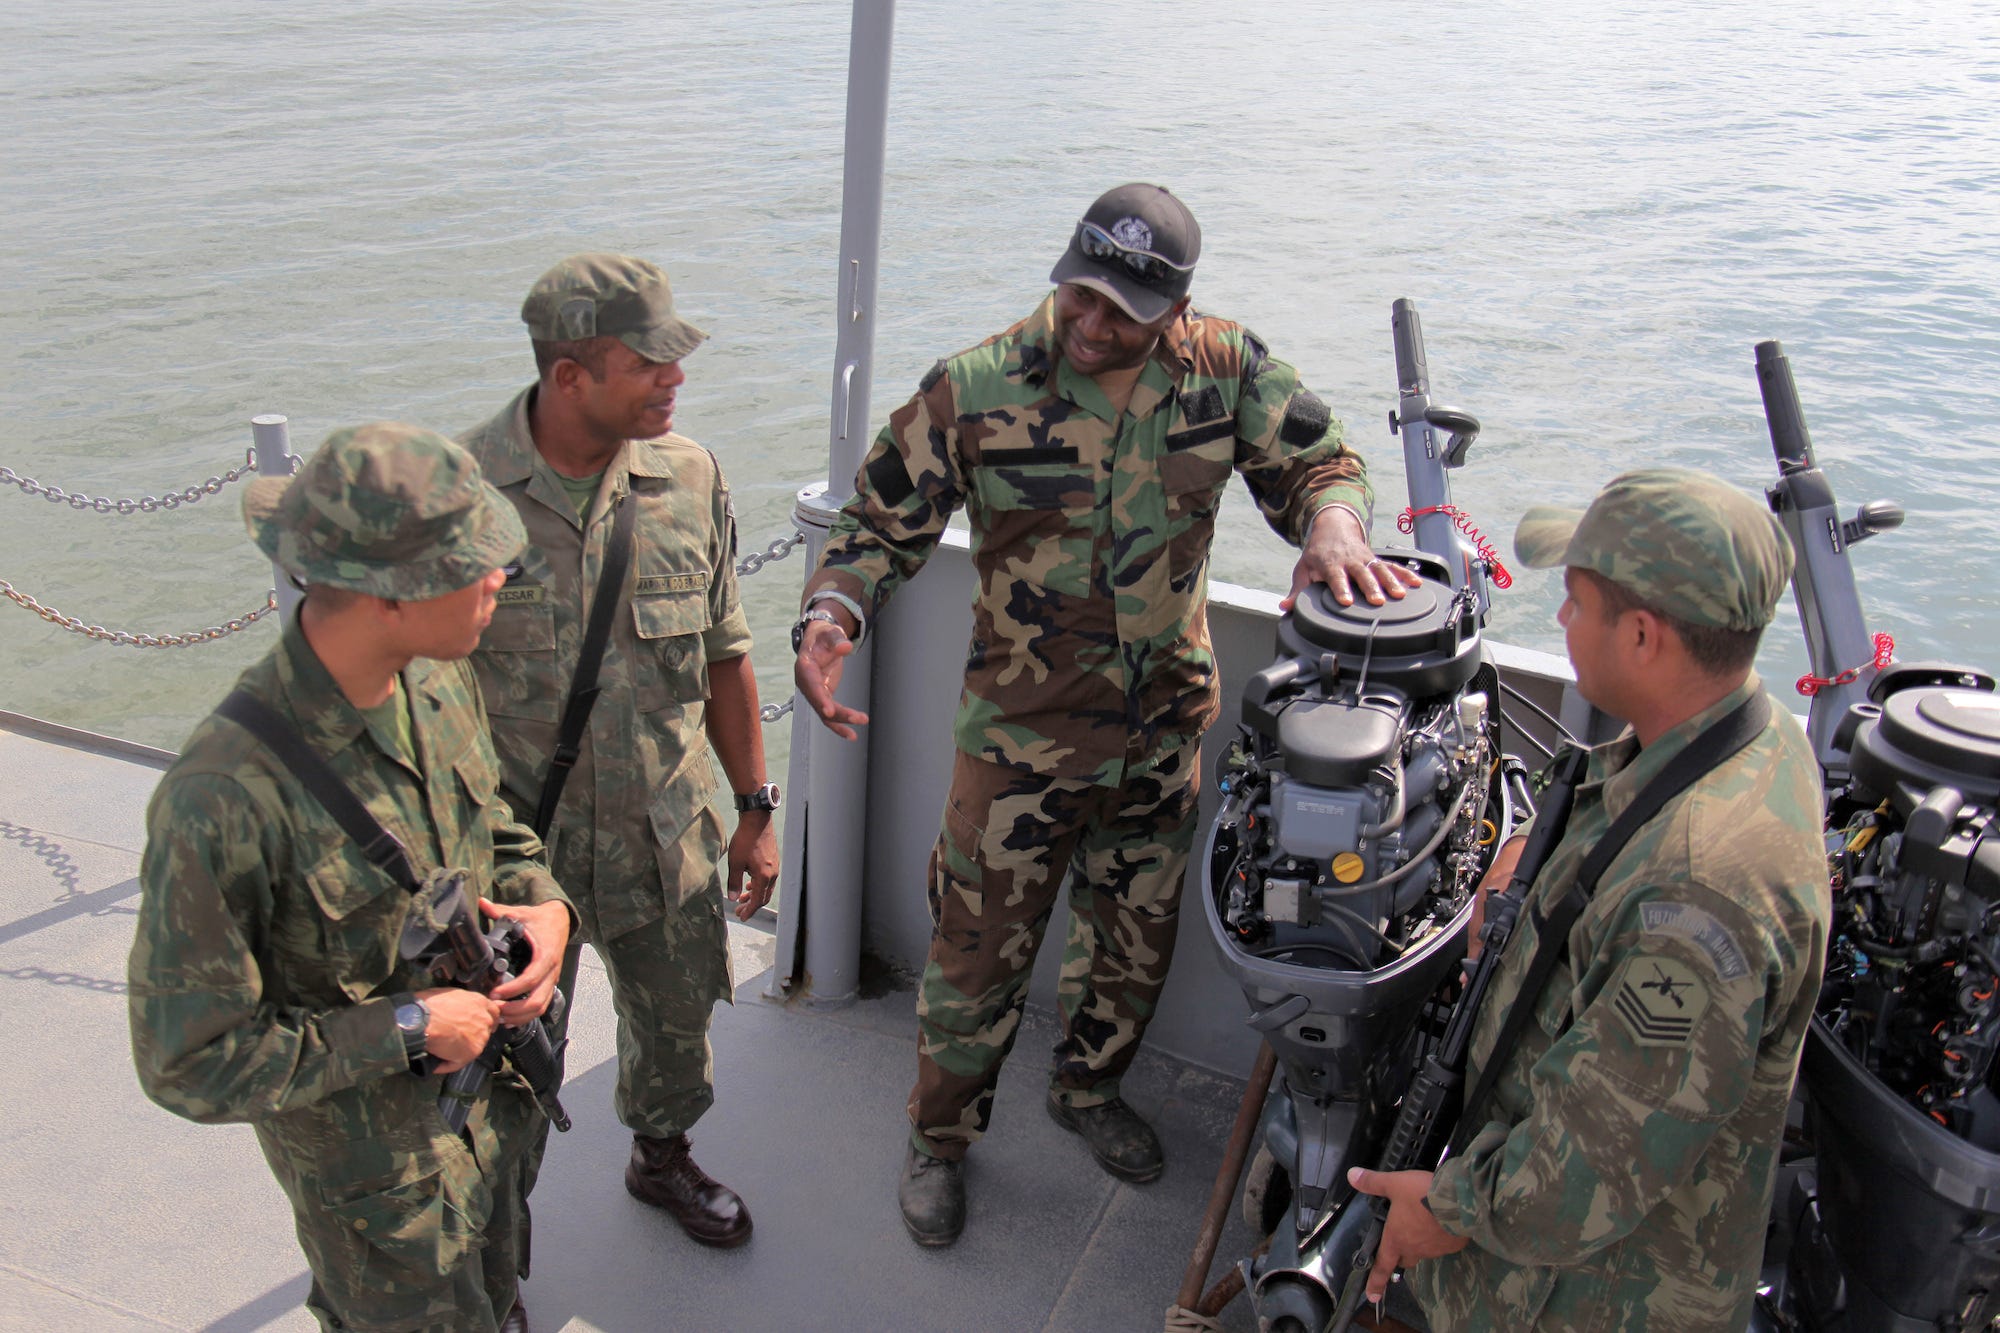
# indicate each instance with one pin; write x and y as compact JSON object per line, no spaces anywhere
{"x":1680,"y":541}
{"x":609,"y":296}
{"x":390,"y":510}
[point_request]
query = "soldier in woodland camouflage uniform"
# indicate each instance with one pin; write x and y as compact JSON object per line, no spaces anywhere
{"x":1622,"y":1173}
{"x":266,"y":985}
{"x":635,"y":840}
{"x":1090,"y":445}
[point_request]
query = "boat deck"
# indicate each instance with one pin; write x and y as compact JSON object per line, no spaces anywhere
{"x":119,"y":1216}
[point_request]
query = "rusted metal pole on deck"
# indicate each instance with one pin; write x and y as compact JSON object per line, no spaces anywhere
{"x":1212,"y":1221}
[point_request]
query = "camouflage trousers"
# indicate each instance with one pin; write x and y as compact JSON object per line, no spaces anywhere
{"x":665,"y":979}
{"x":1009,"y":838}
{"x":439,"y":1254}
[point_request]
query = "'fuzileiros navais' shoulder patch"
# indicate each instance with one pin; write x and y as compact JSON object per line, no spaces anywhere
{"x":1686,"y":922}
{"x":1659,"y":999}
{"x":655,"y":585}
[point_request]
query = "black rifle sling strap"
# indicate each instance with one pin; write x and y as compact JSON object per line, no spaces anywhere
{"x":380,"y":846}
{"x":583,"y":686}
{"x":1705,"y":752}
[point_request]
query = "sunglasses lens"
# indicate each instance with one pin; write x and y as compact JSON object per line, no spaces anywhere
{"x":1096,"y":245}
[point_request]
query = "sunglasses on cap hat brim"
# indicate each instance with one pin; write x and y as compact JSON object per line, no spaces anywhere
{"x":1095,"y":244}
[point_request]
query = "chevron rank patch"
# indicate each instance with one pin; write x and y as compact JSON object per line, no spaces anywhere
{"x":1659,"y":999}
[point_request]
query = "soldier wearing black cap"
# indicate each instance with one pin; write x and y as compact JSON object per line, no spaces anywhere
{"x":1089,"y":445}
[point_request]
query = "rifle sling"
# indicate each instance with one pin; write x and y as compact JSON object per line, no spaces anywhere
{"x":382,"y":848}
{"x":583,"y":689}
{"x":1723,"y":738}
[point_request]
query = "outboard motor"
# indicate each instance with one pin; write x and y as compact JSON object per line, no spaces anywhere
{"x":1360,"y":806}
{"x":1895,"y":1221}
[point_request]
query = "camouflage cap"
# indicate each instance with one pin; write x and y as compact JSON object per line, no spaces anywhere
{"x":1680,"y":541}
{"x":390,"y":510}
{"x":609,"y":296}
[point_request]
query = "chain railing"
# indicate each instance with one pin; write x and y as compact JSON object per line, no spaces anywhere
{"x":779,"y":548}
{"x":145,"y":504}
{"x":77,"y":626}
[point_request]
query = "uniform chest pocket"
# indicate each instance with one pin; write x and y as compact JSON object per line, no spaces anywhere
{"x":361,"y":921}
{"x":1193,"y":480}
{"x":1035,"y":479}
{"x":672,"y":665}
{"x":1037,"y":522}
{"x":517,"y":662}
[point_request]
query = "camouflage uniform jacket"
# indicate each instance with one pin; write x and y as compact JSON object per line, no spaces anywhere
{"x":645,"y":772}
{"x":1090,"y":530}
{"x":1623,"y":1172}
{"x":265,"y":955}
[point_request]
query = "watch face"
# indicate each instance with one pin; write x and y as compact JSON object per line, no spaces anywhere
{"x":411,"y":1017}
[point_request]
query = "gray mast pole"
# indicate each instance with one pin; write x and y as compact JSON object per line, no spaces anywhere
{"x":837,"y":785}
{"x":271,"y":444}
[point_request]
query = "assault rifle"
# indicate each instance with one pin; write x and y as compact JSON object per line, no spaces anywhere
{"x":1431,"y":1107}
{"x":443,"y":939}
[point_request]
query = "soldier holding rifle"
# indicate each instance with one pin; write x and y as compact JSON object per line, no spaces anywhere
{"x":1618,"y":1172}
{"x":267,"y":982}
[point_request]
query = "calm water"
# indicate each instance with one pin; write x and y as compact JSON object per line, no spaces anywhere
{"x":225,"y":207}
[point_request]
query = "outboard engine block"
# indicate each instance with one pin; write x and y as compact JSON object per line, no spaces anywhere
{"x":1898,"y":1227}
{"x":1360,"y":807}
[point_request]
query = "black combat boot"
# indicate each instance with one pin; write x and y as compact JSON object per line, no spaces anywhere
{"x":932,"y":1196}
{"x":1122,"y":1143}
{"x":663,"y":1174}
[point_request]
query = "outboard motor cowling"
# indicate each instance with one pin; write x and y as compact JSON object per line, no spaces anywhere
{"x":1360,"y":806}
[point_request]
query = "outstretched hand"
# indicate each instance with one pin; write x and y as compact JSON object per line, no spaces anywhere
{"x":823,"y":654}
{"x":1337,"y":554}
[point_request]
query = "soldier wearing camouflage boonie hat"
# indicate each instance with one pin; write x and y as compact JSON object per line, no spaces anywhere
{"x":386,"y":509}
{"x":268,"y":985}
{"x":1680,"y":541}
{"x":610,"y":296}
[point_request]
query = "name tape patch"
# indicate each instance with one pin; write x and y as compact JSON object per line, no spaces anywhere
{"x":1699,"y":929}
{"x":652,"y":585}
{"x":533,"y":595}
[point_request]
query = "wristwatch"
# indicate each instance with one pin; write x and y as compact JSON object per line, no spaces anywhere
{"x":413,"y":1021}
{"x":764,"y":798}
{"x":799,"y":630}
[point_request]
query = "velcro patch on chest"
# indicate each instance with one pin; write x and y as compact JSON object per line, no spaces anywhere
{"x":532,"y":594}
{"x":1686,"y":922}
{"x":656,"y":585}
{"x":1659,"y":1000}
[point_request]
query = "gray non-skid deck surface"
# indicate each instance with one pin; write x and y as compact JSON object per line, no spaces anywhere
{"x":115,"y":1215}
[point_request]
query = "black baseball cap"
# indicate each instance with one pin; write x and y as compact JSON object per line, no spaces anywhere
{"x":1137,"y":245}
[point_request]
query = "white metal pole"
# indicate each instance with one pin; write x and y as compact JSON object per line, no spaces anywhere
{"x":270,"y":437}
{"x":837,"y":782}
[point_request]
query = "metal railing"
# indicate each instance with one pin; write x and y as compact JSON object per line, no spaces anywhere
{"x":270,"y":455}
